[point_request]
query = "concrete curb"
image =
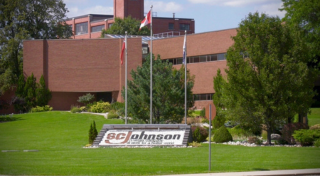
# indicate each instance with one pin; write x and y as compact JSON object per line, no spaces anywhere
{"x":265,"y":173}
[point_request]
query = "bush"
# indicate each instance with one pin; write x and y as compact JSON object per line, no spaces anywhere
{"x":75,"y":109}
{"x":93,"y":133}
{"x":199,"y":134}
{"x":239,"y":133}
{"x":194,"y":144}
{"x":314,"y":127}
{"x":289,"y":129}
{"x":204,"y":120}
{"x":113,"y":115}
{"x":222,"y":135}
{"x":41,"y":108}
{"x":100,"y":107}
{"x":306,"y":137}
{"x":218,"y":122}
{"x":254,"y":140}
{"x":85,"y":99}
{"x":83,"y":108}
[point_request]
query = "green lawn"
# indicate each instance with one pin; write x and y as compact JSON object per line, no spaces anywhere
{"x":314,"y":117}
{"x":60,"y":136}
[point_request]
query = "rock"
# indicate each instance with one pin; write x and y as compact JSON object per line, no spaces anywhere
{"x":275,"y":137}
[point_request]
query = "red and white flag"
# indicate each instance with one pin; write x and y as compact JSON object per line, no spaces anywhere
{"x":122,"y":51}
{"x":146,"y":21}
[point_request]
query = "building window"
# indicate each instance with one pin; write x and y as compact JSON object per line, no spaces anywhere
{"x":221,"y":56}
{"x":184,"y":27}
{"x":199,"y":97}
{"x":82,"y":28}
{"x":109,"y":25}
{"x":171,"y":26}
{"x":97,"y":28}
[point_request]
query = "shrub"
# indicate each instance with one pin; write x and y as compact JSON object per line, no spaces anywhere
{"x":254,"y":140}
{"x":41,"y":108}
{"x":204,"y":120}
{"x":289,"y":129}
{"x":239,"y":133}
{"x":112,"y":115}
{"x":100,"y":107}
{"x":93,"y":133}
{"x":222,"y":135}
{"x":85,"y":99}
{"x":194,"y":144}
{"x":82,"y":108}
{"x":218,"y":122}
{"x":199,"y":134}
{"x":306,"y":137}
{"x":75,"y":109}
{"x":314,"y":127}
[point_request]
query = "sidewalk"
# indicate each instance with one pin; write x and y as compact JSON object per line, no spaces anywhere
{"x":265,"y":173}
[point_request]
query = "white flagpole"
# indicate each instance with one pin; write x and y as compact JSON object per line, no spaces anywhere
{"x":151,"y":66}
{"x":126,"y":80}
{"x":185,"y":79}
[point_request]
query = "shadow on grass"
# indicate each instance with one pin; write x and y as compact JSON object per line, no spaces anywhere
{"x":9,"y":119}
{"x":260,"y":169}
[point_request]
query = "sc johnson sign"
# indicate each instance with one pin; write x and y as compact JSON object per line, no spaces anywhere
{"x":142,"y":137}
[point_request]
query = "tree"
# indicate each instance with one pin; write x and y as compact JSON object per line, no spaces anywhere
{"x":29,"y":92}
{"x":304,"y":15}
{"x":85,"y":99}
{"x":26,"y":19}
{"x":268,"y":79}
{"x":168,"y":92}
{"x":129,"y":24}
{"x":43,"y":94}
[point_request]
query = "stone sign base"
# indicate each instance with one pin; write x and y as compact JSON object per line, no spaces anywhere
{"x":174,"y":135}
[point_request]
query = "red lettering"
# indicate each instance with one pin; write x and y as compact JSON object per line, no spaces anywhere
{"x":120,"y":136}
{"x":111,"y":136}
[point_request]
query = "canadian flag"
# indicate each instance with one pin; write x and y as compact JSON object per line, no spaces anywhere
{"x":146,"y":21}
{"x":122,"y":51}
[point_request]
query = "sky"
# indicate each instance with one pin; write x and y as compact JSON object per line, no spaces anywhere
{"x":209,"y":15}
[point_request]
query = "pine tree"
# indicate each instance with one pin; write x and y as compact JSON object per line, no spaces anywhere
{"x":30,"y":92}
{"x":43,"y":93}
{"x":95,"y":134}
{"x":90,"y":134}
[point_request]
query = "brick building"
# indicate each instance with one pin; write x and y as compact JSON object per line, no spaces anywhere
{"x":91,"y":25}
{"x":75,"y":67}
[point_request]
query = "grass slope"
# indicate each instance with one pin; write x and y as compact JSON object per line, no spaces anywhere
{"x":60,"y":136}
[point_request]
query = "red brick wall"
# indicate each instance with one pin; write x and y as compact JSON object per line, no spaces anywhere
{"x":75,"y":66}
{"x":33,"y":51}
{"x":198,"y":44}
{"x":64,"y":100}
{"x":161,"y":25}
{"x":125,"y":8}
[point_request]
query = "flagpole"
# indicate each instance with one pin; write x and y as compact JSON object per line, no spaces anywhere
{"x":185,"y":79}
{"x":151,"y":66}
{"x":126,"y":80}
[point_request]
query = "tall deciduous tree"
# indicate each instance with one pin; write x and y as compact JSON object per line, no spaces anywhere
{"x":129,"y":24}
{"x":168,"y":92}
{"x":26,"y":19}
{"x":268,"y":80}
{"x":305,"y":15}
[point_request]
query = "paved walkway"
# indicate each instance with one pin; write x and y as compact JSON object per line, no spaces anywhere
{"x":304,"y":172}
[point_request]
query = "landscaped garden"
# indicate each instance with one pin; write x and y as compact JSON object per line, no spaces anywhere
{"x":55,"y":142}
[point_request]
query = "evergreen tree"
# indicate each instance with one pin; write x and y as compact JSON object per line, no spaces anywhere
{"x":30,"y":92}
{"x":91,"y":134}
{"x":43,"y":94}
{"x":168,"y":92}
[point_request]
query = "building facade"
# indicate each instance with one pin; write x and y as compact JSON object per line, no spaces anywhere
{"x":90,"y":25}
{"x":73,"y":68}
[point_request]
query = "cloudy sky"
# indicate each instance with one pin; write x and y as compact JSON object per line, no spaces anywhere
{"x":209,"y":15}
